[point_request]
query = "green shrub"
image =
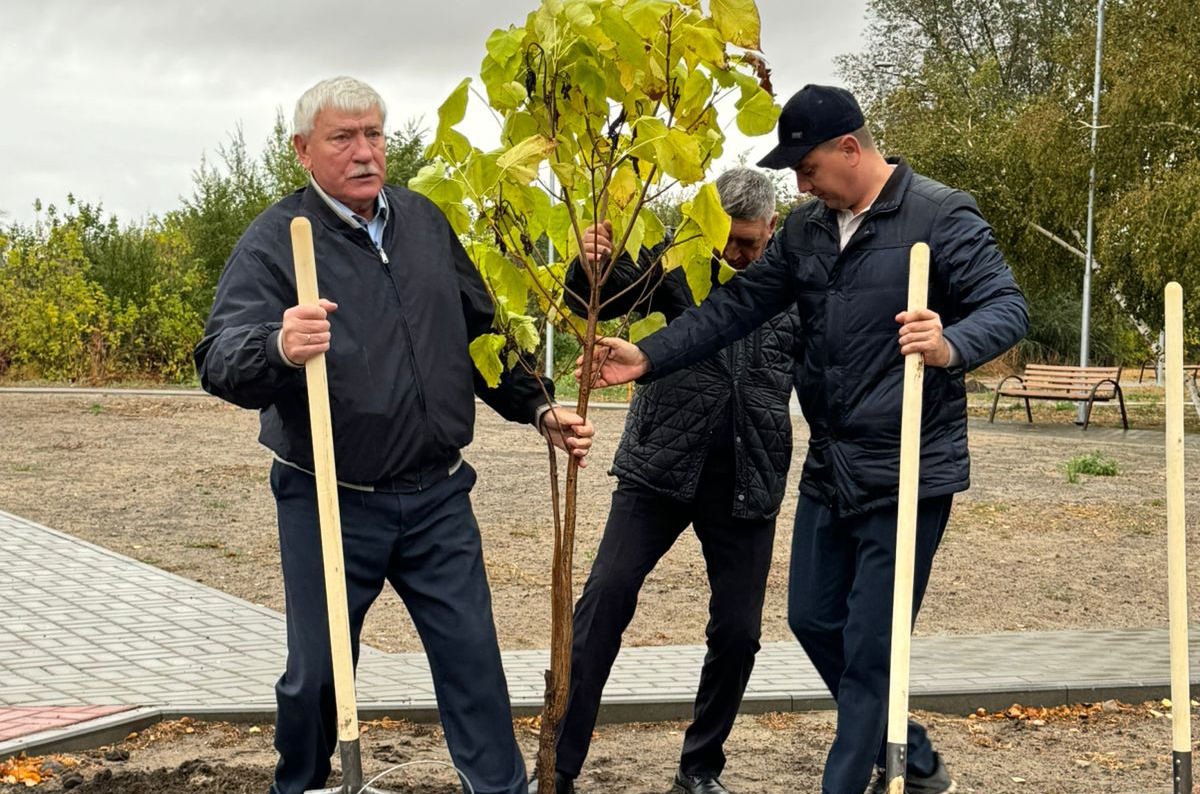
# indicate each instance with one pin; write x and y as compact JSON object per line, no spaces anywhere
{"x":1094,"y":463}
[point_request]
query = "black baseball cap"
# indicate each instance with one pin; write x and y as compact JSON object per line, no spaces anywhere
{"x":814,"y":114}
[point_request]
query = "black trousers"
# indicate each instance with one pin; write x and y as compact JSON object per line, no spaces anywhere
{"x":427,"y":546}
{"x":840,"y":609}
{"x":642,"y":526}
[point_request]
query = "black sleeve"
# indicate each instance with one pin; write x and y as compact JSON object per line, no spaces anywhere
{"x":518,"y":395}
{"x":238,"y":359}
{"x":988,"y":311}
{"x":752,"y":297}
{"x":629,"y":286}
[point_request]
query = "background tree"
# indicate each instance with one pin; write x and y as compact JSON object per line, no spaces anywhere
{"x":995,"y":97}
{"x":84,"y":297}
{"x":619,"y":99}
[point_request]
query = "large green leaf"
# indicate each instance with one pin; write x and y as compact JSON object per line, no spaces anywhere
{"x":758,"y":115}
{"x":710,"y":218}
{"x":700,"y":44}
{"x":738,"y":22}
{"x":448,"y":142}
{"x":524,"y":331}
{"x":520,"y":162}
{"x":679,"y":156}
{"x":650,"y":133}
{"x":655,"y":232}
{"x":433,"y":182}
{"x":648,"y":17}
{"x":485,"y":353}
{"x":445,"y":191}
{"x":505,"y":279}
{"x":624,"y":185}
{"x":654,"y":321}
{"x":590,"y":82}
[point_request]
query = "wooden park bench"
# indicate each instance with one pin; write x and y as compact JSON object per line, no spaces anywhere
{"x":1190,"y":371}
{"x":1046,"y":382}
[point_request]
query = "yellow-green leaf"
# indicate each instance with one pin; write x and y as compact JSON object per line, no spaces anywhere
{"x":701,"y":44}
{"x":654,"y":321}
{"x":655,"y":231}
{"x":524,"y":332}
{"x":647,"y":17}
{"x":520,"y":162}
{"x":505,"y":279}
{"x":738,"y":22}
{"x":433,"y":182}
{"x":679,"y":156}
{"x":758,"y":115}
{"x":448,"y":142}
{"x":624,"y":185}
{"x":712,"y":220}
{"x":650,"y":132}
{"x":485,"y":353}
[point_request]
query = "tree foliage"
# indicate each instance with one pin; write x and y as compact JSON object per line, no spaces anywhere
{"x":617,"y":102}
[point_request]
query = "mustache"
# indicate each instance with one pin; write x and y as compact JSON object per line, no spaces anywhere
{"x":365,"y":170}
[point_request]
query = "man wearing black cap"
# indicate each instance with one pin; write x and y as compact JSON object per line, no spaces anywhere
{"x":843,"y":258}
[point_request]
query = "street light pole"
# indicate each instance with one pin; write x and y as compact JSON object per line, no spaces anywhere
{"x":1091,"y":211}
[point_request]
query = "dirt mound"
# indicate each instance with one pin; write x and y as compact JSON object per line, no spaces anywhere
{"x":190,"y":777}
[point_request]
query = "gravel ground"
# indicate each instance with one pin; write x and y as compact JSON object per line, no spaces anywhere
{"x":181,"y":483}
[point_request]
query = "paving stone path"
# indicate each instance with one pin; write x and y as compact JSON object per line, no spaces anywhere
{"x":93,"y":641}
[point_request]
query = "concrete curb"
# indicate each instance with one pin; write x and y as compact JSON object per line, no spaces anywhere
{"x":112,"y":728}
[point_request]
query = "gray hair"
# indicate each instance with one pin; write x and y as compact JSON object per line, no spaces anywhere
{"x":339,"y":93}
{"x":746,"y":194}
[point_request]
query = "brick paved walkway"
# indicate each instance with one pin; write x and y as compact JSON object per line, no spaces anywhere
{"x":84,"y":626}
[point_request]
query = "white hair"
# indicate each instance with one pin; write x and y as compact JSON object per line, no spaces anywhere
{"x":339,"y":93}
{"x":746,"y":194}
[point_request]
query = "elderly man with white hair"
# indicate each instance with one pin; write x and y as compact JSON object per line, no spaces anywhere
{"x":400,"y":304}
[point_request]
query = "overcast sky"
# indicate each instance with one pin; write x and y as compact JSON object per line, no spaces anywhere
{"x":116,"y":101}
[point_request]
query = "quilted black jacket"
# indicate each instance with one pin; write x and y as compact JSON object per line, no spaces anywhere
{"x":672,"y":422}
{"x":851,"y":375}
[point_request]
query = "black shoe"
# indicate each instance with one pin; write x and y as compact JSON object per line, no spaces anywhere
{"x":937,"y":783}
{"x":698,"y":784}
{"x":562,"y":784}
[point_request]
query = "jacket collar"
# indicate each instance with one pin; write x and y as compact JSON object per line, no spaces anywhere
{"x":889,"y":197}
{"x":318,"y":203}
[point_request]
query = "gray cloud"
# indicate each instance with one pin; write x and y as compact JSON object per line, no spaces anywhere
{"x":117,"y":101}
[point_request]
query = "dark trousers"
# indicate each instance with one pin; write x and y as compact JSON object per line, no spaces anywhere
{"x":427,"y":546}
{"x":840,"y":609}
{"x":642,"y":526}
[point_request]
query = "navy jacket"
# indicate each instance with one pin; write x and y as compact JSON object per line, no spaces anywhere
{"x":850,"y":382}
{"x":672,"y":424}
{"x":401,"y":381}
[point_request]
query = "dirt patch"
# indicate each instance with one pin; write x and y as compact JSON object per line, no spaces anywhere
{"x":181,"y":483}
{"x":1100,"y":749}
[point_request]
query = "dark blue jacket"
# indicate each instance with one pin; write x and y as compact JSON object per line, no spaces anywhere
{"x":673,"y":423}
{"x":851,"y":379}
{"x":401,"y":381}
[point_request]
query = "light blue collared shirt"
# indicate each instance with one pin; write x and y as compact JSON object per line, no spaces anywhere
{"x":374,"y":227}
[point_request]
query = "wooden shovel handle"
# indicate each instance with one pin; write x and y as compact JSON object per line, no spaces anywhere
{"x":906,"y":527}
{"x":327,"y":496}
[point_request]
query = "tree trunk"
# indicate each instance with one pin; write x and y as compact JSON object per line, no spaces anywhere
{"x":561,"y":598}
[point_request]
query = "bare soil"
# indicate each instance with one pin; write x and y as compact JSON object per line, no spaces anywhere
{"x":1109,"y":749}
{"x":181,"y":483}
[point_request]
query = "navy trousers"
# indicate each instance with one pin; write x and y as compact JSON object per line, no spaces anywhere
{"x":840,"y":609}
{"x":427,"y":546}
{"x":642,"y":526}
